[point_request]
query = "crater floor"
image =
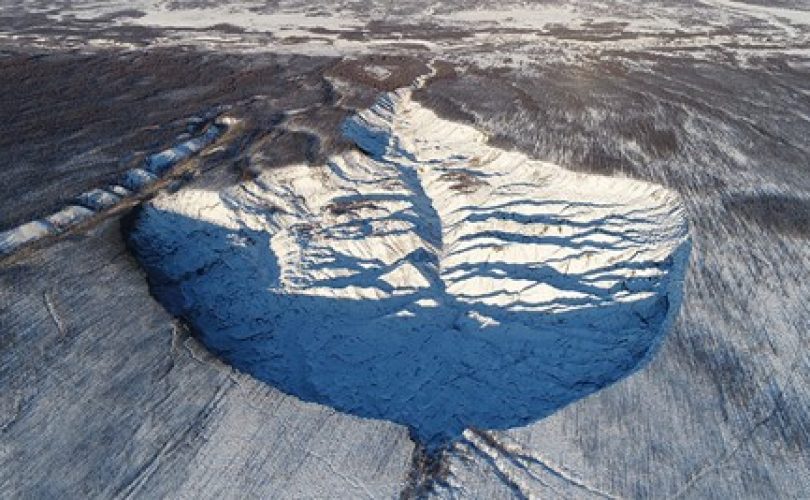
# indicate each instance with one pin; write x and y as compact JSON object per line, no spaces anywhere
{"x":425,"y":277}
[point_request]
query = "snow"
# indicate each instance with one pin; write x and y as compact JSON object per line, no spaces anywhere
{"x":98,"y":199}
{"x":122,"y":388}
{"x":513,"y":16}
{"x":434,"y":281}
{"x":69,"y":216}
{"x":133,"y":180}
{"x":137,"y":179}
{"x":721,"y":412}
{"x":772,"y":13}
{"x":15,"y":238}
{"x":243,"y":16}
{"x":120,"y":191}
{"x":493,"y":34}
{"x":160,"y":163}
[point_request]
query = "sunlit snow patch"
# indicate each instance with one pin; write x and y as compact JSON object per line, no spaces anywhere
{"x":98,"y":199}
{"x":22,"y":235}
{"x":431,"y":279}
{"x":160,"y":163}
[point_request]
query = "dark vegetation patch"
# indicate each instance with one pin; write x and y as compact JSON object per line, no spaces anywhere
{"x":445,"y":107}
{"x":351,"y":35}
{"x":427,"y":471}
{"x":301,"y":39}
{"x":121,"y":14}
{"x":74,"y":122}
{"x":402,"y":71}
{"x":783,"y":214}
{"x":444,"y":70}
{"x":65,"y":31}
{"x":656,"y":141}
{"x":463,"y":182}
{"x":350,"y":207}
{"x":324,"y":122}
{"x":598,"y":32}
{"x":228,"y":28}
{"x":685,"y":125}
{"x":20,"y":24}
{"x":425,"y":31}
{"x":285,"y":147}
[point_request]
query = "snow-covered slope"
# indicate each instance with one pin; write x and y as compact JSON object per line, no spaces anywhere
{"x":426,"y":278}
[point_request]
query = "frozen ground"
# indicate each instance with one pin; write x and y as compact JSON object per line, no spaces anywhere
{"x":438,"y":283}
{"x":485,"y":32}
{"x":639,"y":116}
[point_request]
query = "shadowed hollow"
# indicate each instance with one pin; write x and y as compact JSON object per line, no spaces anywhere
{"x":426,"y":278}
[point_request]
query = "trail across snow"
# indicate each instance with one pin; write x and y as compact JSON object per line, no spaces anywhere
{"x":426,"y":278}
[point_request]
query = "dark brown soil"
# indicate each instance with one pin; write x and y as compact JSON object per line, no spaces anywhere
{"x":74,"y":122}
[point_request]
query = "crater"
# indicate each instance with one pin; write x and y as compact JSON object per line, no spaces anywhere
{"x":426,"y":278}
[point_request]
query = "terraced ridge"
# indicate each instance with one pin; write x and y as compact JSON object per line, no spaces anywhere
{"x":425,"y":278}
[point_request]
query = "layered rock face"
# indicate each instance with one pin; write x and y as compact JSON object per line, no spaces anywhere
{"x":425,"y":278}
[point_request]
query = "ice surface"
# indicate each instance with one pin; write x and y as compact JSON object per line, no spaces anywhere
{"x":434,"y":280}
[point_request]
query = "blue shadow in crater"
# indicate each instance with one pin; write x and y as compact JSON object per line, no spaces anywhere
{"x":434,"y":362}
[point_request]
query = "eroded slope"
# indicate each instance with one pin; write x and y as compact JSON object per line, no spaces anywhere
{"x":426,"y":278}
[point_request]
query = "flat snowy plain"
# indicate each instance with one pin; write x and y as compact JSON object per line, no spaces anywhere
{"x":299,"y":249}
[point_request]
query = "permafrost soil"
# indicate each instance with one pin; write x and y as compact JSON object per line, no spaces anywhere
{"x":426,"y":277}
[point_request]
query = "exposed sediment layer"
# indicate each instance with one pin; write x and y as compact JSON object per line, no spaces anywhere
{"x":427,"y":278}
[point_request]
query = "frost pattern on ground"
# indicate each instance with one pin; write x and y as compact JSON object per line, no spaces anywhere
{"x":426,"y":278}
